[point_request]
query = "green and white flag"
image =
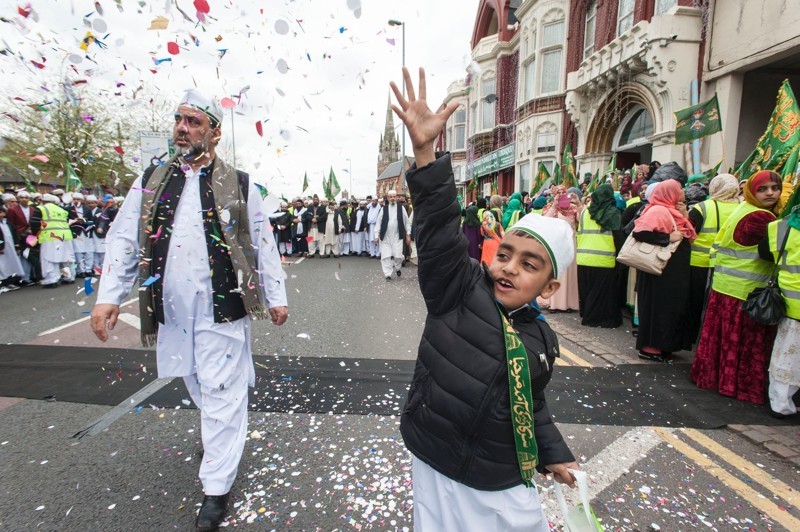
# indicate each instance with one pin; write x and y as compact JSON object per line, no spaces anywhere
{"x":305,"y":182}
{"x":334,"y":189}
{"x":697,"y":121}
{"x":73,"y":181}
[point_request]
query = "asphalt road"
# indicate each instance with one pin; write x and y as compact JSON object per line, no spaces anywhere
{"x":336,"y":472}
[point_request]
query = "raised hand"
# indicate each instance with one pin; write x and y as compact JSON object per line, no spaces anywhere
{"x":423,"y":124}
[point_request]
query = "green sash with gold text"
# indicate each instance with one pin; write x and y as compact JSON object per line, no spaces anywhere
{"x":521,"y":397}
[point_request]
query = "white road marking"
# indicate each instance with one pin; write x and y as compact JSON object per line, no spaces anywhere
{"x":607,"y":466}
{"x":80,"y":320}
{"x":131,"y":320}
{"x":298,"y":261}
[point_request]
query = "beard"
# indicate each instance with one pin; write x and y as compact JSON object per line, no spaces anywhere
{"x":194,"y":150}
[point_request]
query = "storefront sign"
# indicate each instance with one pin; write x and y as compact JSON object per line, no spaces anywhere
{"x":494,"y":161}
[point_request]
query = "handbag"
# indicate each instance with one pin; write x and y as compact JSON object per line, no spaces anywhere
{"x":645,"y":257}
{"x":765,"y":304}
{"x":580,"y":518}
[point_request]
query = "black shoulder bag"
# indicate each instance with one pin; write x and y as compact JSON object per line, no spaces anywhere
{"x":766,"y":304}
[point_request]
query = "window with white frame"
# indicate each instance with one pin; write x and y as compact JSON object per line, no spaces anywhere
{"x":459,"y":129}
{"x":552,"y":50}
{"x":528,"y":77}
{"x":525,"y":175}
{"x":624,"y":16}
{"x":546,"y":142}
{"x":473,"y":117}
{"x":662,"y":6}
{"x":488,"y":99}
{"x":589,"y":29}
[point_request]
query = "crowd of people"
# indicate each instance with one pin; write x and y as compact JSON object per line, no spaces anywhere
{"x":725,"y":238}
{"x":374,"y":227}
{"x":53,"y":238}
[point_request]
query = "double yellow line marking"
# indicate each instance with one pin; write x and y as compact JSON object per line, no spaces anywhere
{"x":746,"y":468}
{"x":571,"y":359}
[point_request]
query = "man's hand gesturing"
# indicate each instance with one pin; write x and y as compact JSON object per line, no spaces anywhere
{"x":423,"y":124}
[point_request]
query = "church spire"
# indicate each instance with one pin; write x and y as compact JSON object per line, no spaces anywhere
{"x":389,"y":149}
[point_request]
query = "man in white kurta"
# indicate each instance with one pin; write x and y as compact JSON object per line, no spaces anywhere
{"x":391,"y":243}
{"x":358,"y":239}
{"x":55,"y":250}
{"x":372,"y":219}
{"x":214,"y":359}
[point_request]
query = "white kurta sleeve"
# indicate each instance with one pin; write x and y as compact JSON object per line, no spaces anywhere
{"x":406,"y":221}
{"x":122,"y":250}
{"x":270,"y":271}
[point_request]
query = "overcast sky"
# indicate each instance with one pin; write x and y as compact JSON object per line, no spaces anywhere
{"x":318,"y":71}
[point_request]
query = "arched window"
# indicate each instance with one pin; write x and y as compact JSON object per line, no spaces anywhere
{"x":546,"y":138}
{"x":488,"y":97}
{"x":636,"y":127}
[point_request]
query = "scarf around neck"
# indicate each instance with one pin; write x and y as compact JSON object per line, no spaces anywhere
{"x":236,"y":235}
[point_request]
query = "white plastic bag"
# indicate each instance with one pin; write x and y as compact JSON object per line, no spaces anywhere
{"x":579,"y":518}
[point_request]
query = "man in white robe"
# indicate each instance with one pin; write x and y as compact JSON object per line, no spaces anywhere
{"x":358,"y":235}
{"x":10,"y":265}
{"x":394,"y":228}
{"x":55,"y":242}
{"x":372,"y":218}
{"x":212,"y":356}
{"x":82,"y":243}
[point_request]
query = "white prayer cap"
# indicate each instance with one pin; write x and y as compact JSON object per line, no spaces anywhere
{"x":77,"y":195}
{"x":51,"y":198}
{"x":36,"y":195}
{"x":91,"y":197}
{"x":554,"y":234}
{"x":119,"y":199}
{"x":392,"y":193}
{"x":23,"y":194}
{"x":7,"y":197}
{"x":67,"y":198}
{"x":58,"y":191}
{"x":208,"y":106}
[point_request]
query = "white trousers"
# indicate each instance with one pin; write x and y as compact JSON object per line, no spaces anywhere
{"x":219,"y":389}
{"x":329,"y":249}
{"x":316,"y":240}
{"x":357,"y":242}
{"x":780,"y":396}
{"x":84,"y":261}
{"x":391,"y":255}
{"x":443,"y":505}
{"x":344,"y":243}
{"x":52,"y":271}
{"x":285,"y":248}
{"x":373,"y":248}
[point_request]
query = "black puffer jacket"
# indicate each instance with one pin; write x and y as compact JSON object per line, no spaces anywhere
{"x":456,"y":418}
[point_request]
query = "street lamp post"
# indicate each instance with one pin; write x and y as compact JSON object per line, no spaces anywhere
{"x":402,"y":24}
{"x":351,"y":176}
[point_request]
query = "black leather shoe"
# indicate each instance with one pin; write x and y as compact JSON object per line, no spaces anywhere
{"x":51,"y":285}
{"x":398,"y":273}
{"x":212,"y":513}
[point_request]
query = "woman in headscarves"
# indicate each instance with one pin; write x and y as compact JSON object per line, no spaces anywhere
{"x":599,"y":240}
{"x":472,"y":230}
{"x":496,"y":206}
{"x":492,"y":232}
{"x":707,"y":217}
{"x":733,"y":352}
{"x":642,"y":171}
{"x":514,"y":210}
{"x":538,"y":205}
{"x":663,"y":327}
{"x":565,"y":206}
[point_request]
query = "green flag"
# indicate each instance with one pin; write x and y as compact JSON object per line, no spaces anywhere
{"x":568,"y":178}
{"x":557,"y":174}
{"x":333,"y":184}
{"x":325,"y":186}
{"x":775,"y":146}
{"x":711,"y":174}
{"x":697,"y":121}
{"x":73,"y":181}
{"x":542,"y":175}
{"x":473,"y":184}
{"x":612,"y":165}
{"x":305,"y":182}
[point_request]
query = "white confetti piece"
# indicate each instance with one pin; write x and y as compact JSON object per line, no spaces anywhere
{"x":112,"y":506}
{"x":303,"y":336}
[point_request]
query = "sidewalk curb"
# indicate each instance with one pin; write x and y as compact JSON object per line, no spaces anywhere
{"x":782,"y":441}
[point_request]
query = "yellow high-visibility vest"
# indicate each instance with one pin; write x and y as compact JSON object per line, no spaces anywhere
{"x":788,"y":264}
{"x":54,"y":224}
{"x":738,"y":270}
{"x":701,"y":247}
{"x":595,"y":246}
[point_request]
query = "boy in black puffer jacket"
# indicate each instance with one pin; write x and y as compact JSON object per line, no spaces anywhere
{"x":483,"y":355}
